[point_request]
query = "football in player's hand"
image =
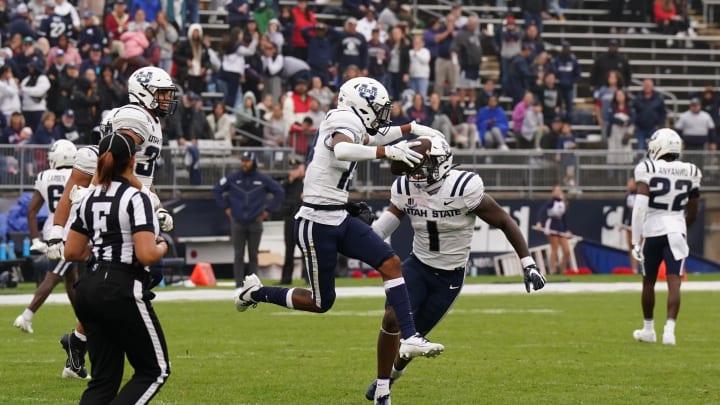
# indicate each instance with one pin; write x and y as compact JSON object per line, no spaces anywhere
{"x":399,"y":168}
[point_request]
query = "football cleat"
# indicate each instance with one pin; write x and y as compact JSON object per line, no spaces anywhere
{"x":243,"y":298}
{"x":75,"y":363}
{"x":642,"y":335}
{"x":370,"y":391}
{"x":668,"y":338}
{"x":23,"y":324}
{"x":416,"y":346}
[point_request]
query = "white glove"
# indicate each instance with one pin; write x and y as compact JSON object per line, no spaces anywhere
{"x":55,"y":243}
{"x":78,"y":193}
{"x":38,"y":246}
{"x":165,"y":219}
{"x":423,"y":130}
{"x":637,"y":254}
{"x":401,"y":151}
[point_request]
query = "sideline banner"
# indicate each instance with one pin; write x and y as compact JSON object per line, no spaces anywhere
{"x":594,"y":220}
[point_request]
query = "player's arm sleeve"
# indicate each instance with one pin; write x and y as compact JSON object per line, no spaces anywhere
{"x":642,"y":175}
{"x":696,"y":178}
{"x":388,"y":222}
{"x":638,"y":217}
{"x":394,"y":133}
{"x":354,"y":152}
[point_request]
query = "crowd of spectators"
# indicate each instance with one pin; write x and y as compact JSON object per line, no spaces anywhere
{"x":275,"y":70}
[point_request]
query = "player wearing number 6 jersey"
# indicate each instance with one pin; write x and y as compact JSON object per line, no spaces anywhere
{"x":49,"y":188}
{"x":323,"y":228}
{"x":666,"y":203}
{"x":442,"y":205}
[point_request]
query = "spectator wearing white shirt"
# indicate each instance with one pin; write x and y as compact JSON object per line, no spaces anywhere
{"x":64,"y":8}
{"x":697,"y":128}
{"x":419,"y":66}
{"x":220,"y":123}
{"x":9,"y":93}
{"x":273,"y":63}
{"x":34,"y":88}
{"x":533,"y":128}
{"x":275,"y":131}
{"x":366,"y":24}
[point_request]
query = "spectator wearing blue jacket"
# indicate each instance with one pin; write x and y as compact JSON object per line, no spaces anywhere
{"x":520,"y":76}
{"x":321,"y":49}
{"x":567,"y":70}
{"x":492,"y":125}
{"x":352,"y":48}
{"x":244,"y":197}
{"x":650,"y":113}
{"x":20,"y":23}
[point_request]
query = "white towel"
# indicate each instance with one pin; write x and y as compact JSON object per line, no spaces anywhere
{"x":678,"y":245}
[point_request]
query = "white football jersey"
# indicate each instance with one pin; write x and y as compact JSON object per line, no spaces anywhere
{"x":50,"y":184}
{"x":327,"y":179}
{"x":670,"y":184}
{"x":147,"y":128}
{"x":443,"y":222}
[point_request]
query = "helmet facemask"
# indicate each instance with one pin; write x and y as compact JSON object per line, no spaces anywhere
{"x":163,"y":107}
{"x":434,"y":168}
{"x":382,"y":121}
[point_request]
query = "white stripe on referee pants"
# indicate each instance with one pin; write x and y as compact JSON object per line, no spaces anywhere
{"x":159,"y":355}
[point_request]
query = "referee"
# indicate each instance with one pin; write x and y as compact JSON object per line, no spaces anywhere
{"x":113,"y":300}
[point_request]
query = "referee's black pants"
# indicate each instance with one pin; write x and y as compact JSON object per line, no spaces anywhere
{"x":114,"y":307}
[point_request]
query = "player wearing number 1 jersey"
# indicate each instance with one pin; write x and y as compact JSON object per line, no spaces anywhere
{"x":442,"y":204}
{"x":49,"y":188}
{"x":323,"y":227}
{"x":666,"y":203}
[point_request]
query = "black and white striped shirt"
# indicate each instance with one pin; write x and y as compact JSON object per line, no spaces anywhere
{"x":110,"y":218}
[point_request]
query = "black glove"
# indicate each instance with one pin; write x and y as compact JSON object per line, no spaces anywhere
{"x":534,"y":277}
{"x":362,"y":211}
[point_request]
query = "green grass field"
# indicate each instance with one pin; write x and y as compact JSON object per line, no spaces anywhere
{"x":500,"y":349}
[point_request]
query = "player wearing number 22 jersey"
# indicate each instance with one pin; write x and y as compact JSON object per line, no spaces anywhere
{"x":666,"y":203}
{"x":442,"y":204}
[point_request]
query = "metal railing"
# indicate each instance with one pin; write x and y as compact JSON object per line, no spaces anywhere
{"x":525,"y":171}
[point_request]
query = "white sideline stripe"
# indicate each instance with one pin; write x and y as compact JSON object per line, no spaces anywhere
{"x":367,"y":292}
{"x":379,"y":313}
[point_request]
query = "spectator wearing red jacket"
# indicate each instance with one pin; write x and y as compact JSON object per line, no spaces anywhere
{"x":304,"y":17}
{"x":668,"y":21}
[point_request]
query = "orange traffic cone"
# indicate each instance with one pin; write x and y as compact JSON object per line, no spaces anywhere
{"x":663,"y":276}
{"x":203,"y":274}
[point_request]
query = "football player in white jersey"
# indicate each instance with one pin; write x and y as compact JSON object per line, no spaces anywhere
{"x":49,"y":187}
{"x":355,"y":131}
{"x":442,"y":204}
{"x":666,"y":203}
{"x":152,"y":95}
